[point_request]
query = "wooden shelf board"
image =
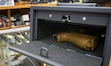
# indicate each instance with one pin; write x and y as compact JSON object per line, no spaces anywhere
{"x":20,"y":26}
{"x":4,"y":28}
{"x":26,"y":6}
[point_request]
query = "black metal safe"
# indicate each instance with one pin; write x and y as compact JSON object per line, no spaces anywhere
{"x":46,"y":21}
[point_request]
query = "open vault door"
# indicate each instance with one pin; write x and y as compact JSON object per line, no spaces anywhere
{"x":56,"y":56}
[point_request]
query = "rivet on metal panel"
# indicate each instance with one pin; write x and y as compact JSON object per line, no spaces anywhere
{"x":84,"y":18}
{"x":50,"y":15}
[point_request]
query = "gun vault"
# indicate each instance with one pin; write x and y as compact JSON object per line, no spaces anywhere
{"x":85,"y":35}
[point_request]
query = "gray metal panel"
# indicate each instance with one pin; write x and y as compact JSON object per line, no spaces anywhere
{"x":34,"y":24}
{"x":107,"y":45}
{"x":57,"y":56}
{"x":74,"y":9}
{"x":76,"y":17}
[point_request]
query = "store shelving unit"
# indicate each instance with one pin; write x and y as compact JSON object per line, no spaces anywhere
{"x":17,"y":32}
{"x":23,"y":8}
